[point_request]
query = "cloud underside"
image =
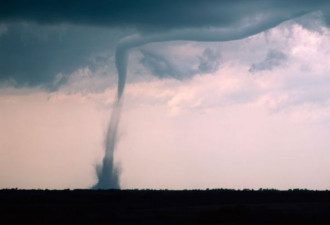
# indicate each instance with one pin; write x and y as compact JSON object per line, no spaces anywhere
{"x":41,"y":39}
{"x":162,"y":14}
{"x":177,"y":67}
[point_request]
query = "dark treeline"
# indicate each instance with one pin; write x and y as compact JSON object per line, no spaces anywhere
{"x":164,"y":207}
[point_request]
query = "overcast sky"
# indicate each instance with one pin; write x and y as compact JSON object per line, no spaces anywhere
{"x":218,"y":94}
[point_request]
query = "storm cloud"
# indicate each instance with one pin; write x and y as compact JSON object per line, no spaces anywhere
{"x":148,"y":14}
{"x":32,"y":54}
{"x":273,"y":59}
{"x":164,"y":66}
{"x":40,"y":39}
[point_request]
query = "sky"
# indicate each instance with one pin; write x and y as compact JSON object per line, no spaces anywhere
{"x":210,"y":94}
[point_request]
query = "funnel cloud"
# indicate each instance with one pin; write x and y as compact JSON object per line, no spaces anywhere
{"x":107,"y":175}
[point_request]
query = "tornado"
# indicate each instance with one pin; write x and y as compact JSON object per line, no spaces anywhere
{"x":107,"y":172}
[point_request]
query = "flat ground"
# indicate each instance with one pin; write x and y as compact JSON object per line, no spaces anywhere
{"x":164,"y":207}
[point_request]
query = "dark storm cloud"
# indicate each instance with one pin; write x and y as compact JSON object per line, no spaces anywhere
{"x":149,"y":13}
{"x":273,"y":59}
{"x":32,"y":54}
{"x":31,"y":60}
{"x":209,"y":61}
{"x":159,"y":65}
{"x":170,"y":66}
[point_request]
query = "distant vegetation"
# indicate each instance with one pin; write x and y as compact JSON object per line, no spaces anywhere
{"x":218,"y":206}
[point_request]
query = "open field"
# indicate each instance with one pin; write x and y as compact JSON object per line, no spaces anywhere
{"x":164,"y":207}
